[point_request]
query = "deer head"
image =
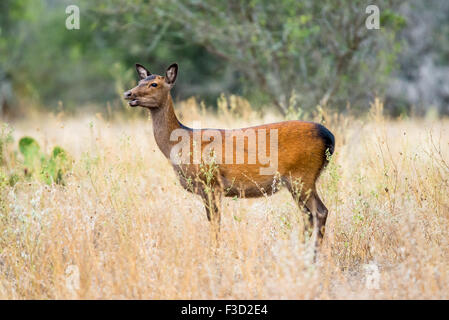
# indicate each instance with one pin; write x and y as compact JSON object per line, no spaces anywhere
{"x":152,"y":89}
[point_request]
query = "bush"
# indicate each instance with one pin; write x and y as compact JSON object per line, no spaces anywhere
{"x":50,"y":168}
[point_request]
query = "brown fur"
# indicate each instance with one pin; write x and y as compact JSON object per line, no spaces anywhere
{"x":301,"y":157}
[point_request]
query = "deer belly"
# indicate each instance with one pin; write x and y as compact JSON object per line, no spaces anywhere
{"x":249,"y":188}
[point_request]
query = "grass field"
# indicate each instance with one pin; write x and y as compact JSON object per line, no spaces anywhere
{"x":122,"y":227}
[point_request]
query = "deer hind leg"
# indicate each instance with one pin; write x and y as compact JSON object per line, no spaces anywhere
{"x":301,"y":195}
{"x":318,"y":218}
{"x":321,"y":215}
{"x":315,"y":208}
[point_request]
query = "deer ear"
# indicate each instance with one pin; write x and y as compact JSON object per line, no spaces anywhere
{"x":171,"y":73}
{"x":142,"y":71}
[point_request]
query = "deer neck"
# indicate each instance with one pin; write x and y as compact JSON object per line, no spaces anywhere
{"x":164,"y":122}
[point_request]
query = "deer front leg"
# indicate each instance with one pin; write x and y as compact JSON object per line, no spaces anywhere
{"x":211,"y":203}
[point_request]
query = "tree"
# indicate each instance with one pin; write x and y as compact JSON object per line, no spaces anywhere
{"x":13,"y":38}
{"x":289,"y":50}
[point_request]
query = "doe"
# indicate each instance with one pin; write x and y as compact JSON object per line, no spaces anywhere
{"x":302,"y":150}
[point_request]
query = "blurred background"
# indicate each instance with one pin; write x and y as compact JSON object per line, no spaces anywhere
{"x":86,"y":195}
{"x":287,"y":57}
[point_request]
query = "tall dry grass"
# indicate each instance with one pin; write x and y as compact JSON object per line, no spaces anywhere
{"x":122,"y":227}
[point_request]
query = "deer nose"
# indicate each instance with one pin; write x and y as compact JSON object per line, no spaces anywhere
{"x":127,"y":94}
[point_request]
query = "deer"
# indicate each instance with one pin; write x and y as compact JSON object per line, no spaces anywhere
{"x":300,"y":151}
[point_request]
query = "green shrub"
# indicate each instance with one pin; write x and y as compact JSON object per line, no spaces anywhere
{"x":48,"y":168}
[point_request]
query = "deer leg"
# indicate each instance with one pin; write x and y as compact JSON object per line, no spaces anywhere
{"x":318,"y":217}
{"x":321,"y":213}
{"x":213,"y":215}
{"x":301,"y":199}
{"x":211,"y":203}
{"x":317,"y":213}
{"x":212,"y":212}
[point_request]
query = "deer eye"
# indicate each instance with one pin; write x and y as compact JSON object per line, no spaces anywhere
{"x":154,"y":84}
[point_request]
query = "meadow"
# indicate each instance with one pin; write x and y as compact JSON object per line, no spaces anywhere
{"x":120,"y":226}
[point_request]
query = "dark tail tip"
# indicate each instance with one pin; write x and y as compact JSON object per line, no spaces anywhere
{"x":328,"y":139}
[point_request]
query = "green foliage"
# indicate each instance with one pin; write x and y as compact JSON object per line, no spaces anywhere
{"x":293,"y":55}
{"x":31,"y":153}
{"x":49,"y":168}
{"x":278,"y":49}
{"x":57,"y":166}
{"x":259,"y":48}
